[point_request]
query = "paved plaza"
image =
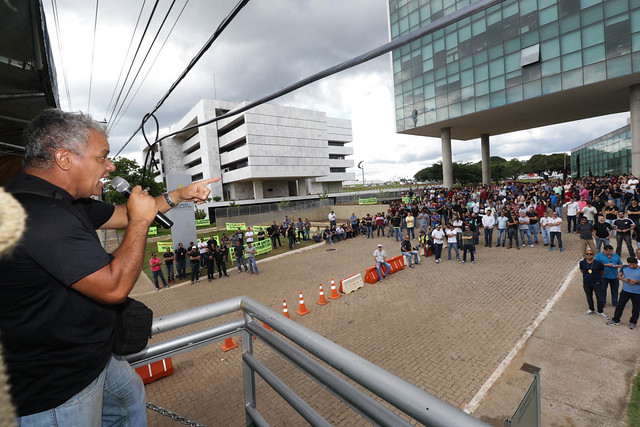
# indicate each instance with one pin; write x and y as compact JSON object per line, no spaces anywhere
{"x":444,"y":327}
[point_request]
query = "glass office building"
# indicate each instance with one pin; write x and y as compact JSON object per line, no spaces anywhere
{"x":517,"y":65}
{"x":608,"y":155}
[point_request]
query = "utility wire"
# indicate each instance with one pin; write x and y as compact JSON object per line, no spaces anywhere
{"x":56,"y":20}
{"x":386,"y":48}
{"x":150,"y":67}
{"x":155,"y":38}
{"x":93,"y":53}
{"x":155,"y":6}
{"x":225,"y":22}
{"x":372,"y":54}
{"x":115,"y":88}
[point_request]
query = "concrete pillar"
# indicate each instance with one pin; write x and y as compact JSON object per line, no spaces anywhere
{"x":258,"y":192}
{"x":634,"y":107}
{"x":486,"y":159}
{"x":303,"y":187}
{"x":447,"y":164}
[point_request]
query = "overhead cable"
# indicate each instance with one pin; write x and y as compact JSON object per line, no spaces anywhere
{"x":386,"y":48}
{"x":134,"y":58}
{"x":93,"y":54}
{"x":225,"y":22}
{"x":115,"y":88}
{"x":155,"y":38}
{"x":56,"y":20}
{"x":115,"y":123}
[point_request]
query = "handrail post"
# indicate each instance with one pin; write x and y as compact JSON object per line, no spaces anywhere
{"x":248,"y":374}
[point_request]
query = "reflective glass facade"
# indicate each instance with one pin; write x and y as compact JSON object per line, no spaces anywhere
{"x":512,"y":52}
{"x":608,"y":155}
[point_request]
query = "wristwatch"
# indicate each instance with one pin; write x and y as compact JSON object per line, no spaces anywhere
{"x":168,"y":199}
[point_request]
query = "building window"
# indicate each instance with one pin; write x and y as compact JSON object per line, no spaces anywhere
{"x":195,"y":162}
{"x":192,"y":149}
{"x":337,"y":170}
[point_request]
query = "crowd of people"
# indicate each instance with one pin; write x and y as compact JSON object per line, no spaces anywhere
{"x":602,"y":210}
{"x":213,"y":255}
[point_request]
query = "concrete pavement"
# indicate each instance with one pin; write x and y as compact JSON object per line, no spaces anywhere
{"x":449,"y":328}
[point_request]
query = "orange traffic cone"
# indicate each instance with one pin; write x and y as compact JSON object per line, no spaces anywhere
{"x":334,"y":291}
{"x":303,"y":309}
{"x":285,"y":311}
{"x":322,"y":300}
{"x":229,"y":344}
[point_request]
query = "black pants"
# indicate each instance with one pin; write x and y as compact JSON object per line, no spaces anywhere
{"x":589,"y":290}
{"x":622,"y":301}
{"x":195,"y":271}
{"x":626,"y":238}
{"x":273,"y":241}
{"x":222,"y":268}
{"x":211,"y":269}
{"x":466,"y":249}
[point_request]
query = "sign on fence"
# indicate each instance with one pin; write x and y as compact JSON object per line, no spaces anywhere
{"x":369,"y":201}
{"x":233,"y":226}
{"x":162,"y":246}
{"x":201,"y":222}
{"x":153,"y":231}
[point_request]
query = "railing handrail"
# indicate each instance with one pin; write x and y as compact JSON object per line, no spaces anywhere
{"x":413,"y":401}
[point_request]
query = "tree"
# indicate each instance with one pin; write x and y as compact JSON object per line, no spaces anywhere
{"x":431,"y":173}
{"x":132,"y":172}
{"x":467,"y":173}
{"x":546,"y":164}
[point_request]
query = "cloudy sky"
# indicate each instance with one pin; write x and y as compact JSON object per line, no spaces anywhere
{"x":268,"y":46}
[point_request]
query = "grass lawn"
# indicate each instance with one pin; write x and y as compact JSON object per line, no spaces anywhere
{"x":152,"y":246}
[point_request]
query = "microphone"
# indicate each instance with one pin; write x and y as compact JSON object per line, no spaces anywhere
{"x":122,"y":186}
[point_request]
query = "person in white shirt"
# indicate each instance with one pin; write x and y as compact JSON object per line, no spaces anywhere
{"x":544,"y":221}
{"x":502,"y":222}
{"x":452,"y":242}
{"x":554,"y":225}
{"x":332,"y":219}
{"x":249,"y":235}
{"x":202,"y":249}
{"x":572,"y":212}
{"x":488,"y":221}
{"x":380,"y":256}
{"x":437,"y":236}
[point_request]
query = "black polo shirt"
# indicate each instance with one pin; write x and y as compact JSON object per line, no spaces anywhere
{"x":602,"y":229}
{"x":56,"y":340}
{"x":591,"y":271}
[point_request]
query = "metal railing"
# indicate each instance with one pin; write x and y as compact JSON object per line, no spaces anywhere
{"x":416,"y":403}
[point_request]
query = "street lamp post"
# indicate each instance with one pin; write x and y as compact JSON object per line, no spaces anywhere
{"x":362,"y":167}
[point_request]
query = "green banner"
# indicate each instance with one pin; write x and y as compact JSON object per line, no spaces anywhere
{"x":262,"y":247}
{"x":233,"y":226}
{"x":369,"y":201}
{"x":153,"y":231}
{"x":162,"y":246}
{"x":406,"y":199}
{"x":257,"y":228}
{"x":201,"y":222}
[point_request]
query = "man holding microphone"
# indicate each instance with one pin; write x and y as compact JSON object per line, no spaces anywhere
{"x":56,"y":300}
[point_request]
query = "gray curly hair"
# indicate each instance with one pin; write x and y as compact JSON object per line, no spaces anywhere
{"x":54,"y":129}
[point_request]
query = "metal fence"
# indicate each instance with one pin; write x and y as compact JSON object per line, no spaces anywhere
{"x":303,"y":205}
{"x":288,"y":205}
{"x":416,"y":403}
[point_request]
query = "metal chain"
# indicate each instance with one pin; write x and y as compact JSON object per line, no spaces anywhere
{"x":173,"y":415}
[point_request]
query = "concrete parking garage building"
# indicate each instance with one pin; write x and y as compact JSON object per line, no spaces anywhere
{"x":517,"y":65}
{"x":269,"y":151}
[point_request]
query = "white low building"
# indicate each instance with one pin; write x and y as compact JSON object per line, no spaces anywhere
{"x":268,"y":151}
